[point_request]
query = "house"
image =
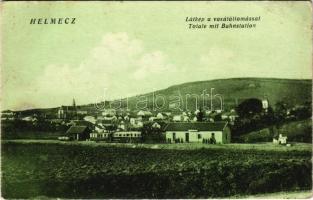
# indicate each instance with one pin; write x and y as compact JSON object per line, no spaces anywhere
{"x":231,"y":116}
{"x":136,"y":122}
{"x":90,"y":119}
{"x":177,"y":118}
{"x":82,"y":112}
{"x":281,"y":139}
{"x":132,"y":121}
{"x":151,"y":119}
{"x":109,"y":112}
{"x":218,"y":111}
{"x":160,"y":116}
{"x":144,"y":115}
{"x":186,"y":119}
{"x":139,"y":124}
{"x":225,"y":115}
{"x":265,"y":104}
{"x":99,"y":128}
{"x":218,"y":132}
{"x":167,"y":114}
{"x":156,"y":125}
{"x":181,"y":118}
{"x":121,"y":125}
{"x":126,"y":118}
{"x":78,"y":132}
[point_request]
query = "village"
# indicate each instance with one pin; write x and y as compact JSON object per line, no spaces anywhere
{"x":127,"y":126}
{"x":141,"y":126}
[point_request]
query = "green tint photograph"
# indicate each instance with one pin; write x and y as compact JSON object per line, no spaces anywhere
{"x":156,"y":100}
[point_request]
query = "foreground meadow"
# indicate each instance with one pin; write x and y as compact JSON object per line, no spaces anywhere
{"x":98,"y":170}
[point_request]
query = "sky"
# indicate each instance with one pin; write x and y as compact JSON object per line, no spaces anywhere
{"x":121,"y":49}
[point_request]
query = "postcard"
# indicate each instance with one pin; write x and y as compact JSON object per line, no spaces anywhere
{"x":156,"y":100}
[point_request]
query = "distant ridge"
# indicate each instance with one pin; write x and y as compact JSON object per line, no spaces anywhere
{"x":246,"y":78}
{"x":233,"y":91}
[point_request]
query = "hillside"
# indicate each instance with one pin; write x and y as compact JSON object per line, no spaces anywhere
{"x":296,"y":131}
{"x":232,"y":90}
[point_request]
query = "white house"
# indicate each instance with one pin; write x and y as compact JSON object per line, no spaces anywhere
{"x":121,"y":125}
{"x":109,"y":112}
{"x":186,"y":118}
{"x":265,"y":104}
{"x":136,"y":122}
{"x":218,"y":111}
{"x":231,"y":116}
{"x":197,"y":132}
{"x":160,"y":116}
{"x":281,"y":139}
{"x":126,"y":118}
{"x":177,"y":118}
{"x":142,"y":113}
{"x":91,"y":119}
{"x":151,"y":119}
{"x":156,"y":125}
{"x":82,"y":112}
{"x":139,"y":124}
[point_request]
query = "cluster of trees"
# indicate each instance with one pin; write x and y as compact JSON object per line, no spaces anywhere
{"x":285,"y":112}
{"x":252,"y":115}
{"x":213,"y":116}
{"x":41,"y":129}
{"x":18,"y":125}
{"x":152,"y":132}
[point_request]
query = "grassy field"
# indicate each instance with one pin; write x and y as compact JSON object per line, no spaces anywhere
{"x":264,"y":146}
{"x":44,"y":168}
{"x":307,"y":194}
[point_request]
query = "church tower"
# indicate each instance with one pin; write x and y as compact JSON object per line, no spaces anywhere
{"x":74,"y":104}
{"x":265,"y":103}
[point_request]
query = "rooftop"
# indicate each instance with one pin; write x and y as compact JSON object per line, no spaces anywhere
{"x":76,"y":129}
{"x":199,"y":126}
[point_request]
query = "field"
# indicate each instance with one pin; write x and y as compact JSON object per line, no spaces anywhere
{"x":34,"y":168}
{"x":264,"y":146}
{"x":307,"y":194}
